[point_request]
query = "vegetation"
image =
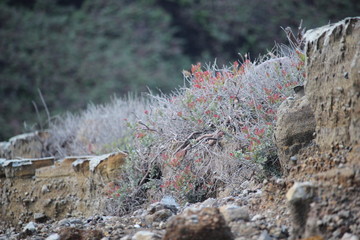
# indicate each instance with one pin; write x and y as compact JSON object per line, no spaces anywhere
{"x":215,"y":131}
{"x":84,"y":51}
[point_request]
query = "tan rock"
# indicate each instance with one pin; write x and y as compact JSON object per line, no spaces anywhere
{"x":25,"y":167}
{"x":333,"y":85}
{"x":295,"y":129}
{"x":145,"y":235}
{"x":204,"y":224}
{"x":234,"y":213}
{"x":299,"y":197}
{"x":108,"y":165}
{"x":28,"y":145}
{"x":59,"y":189}
{"x":71,"y":233}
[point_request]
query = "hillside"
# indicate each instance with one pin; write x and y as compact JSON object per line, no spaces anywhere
{"x":263,"y":149}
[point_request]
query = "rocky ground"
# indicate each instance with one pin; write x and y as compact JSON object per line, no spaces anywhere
{"x":261,"y":211}
{"x":316,"y":199}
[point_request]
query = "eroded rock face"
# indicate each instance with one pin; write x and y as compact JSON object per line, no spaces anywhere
{"x":55,"y":189}
{"x":333,"y":85}
{"x":295,"y":128}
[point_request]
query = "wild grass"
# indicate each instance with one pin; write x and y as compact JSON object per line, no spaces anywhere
{"x":97,"y":130}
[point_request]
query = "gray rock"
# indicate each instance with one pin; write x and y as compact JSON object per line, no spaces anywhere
{"x":45,"y":189}
{"x":54,"y":236}
{"x":30,"y":227}
{"x":40,"y":217}
{"x":349,"y":236}
{"x":234,"y":213}
{"x":265,"y":236}
{"x":257,"y":217}
{"x":145,"y":235}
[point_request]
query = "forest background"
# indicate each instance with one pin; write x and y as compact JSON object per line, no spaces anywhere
{"x":69,"y":53}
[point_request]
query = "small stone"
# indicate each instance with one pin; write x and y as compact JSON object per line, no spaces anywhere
{"x":64,"y":223}
{"x":344,"y":214}
{"x":257,"y":217}
{"x":280,"y":182}
{"x":162,"y":225}
{"x":299,"y":197}
{"x":162,"y":215}
{"x":75,"y":221}
{"x":300,"y":191}
{"x":170,"y":203}
{"x":137,"y":226}
{"x":234,"y":213}
{"x":265,"y":236}
{"x":54,"y":236}
{"x":349,"y":236}
{"x":30,"y":227}
{"x":40,"y":217}
{"x":45,"y":189}
{"x":144,"y":235}
{"x":127,"y":237}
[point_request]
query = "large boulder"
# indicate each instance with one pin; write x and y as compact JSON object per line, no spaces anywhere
{"x":333,"y":85}
{"x":204,"y":224}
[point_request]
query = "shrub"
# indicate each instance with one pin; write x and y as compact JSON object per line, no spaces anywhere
{"x":216,"y":130}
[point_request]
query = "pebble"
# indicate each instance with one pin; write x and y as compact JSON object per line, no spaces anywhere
{"x":265,"y":236}
{"x":30,"y":227}
{"x":54,"y":236}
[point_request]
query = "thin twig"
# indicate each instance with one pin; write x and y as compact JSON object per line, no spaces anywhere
{"x":38,"y":115}
{"x":147,"y":127}
{"x":45,"y":106}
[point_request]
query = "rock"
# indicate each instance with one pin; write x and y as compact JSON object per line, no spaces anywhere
{"x":265,"y":236}
{"x":45,"y":189}
{"x":234,"y":213}
{"x":349,"y":236}
{"x":40,"y":217}
{"x":54,"y":236}
{"x":159,"y":216}
{"x":299,"y":197}
{"x":4,"y":150}
{"x":30,"y":228}
{"x":74,"y":233}
{"x":2,"y":170}
{"x":314,"y":238}
{"x":295,"y":127}
{"x":25,"y":168}
{"x":28,"y":145}
{"x":204,"y":224}
{"x":145,"y":235}
{"x":108,"y":165}
{"x":71,"y":192}
{"x":169,"y":202}
{"x":257,"y":217}
{"x":81,"y":166}
{"x":333,"y":83}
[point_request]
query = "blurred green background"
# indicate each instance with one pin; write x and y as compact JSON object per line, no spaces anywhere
{"x":81,"y":51}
